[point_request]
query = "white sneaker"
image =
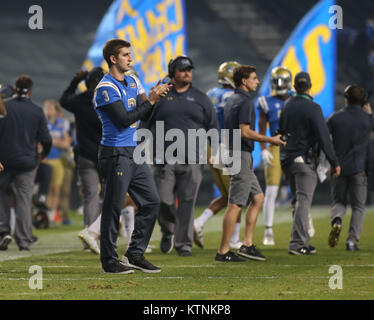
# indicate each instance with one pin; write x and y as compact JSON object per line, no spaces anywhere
{"x":148,"y":250}
{"x":236,"y":245}
{"x":268,"y":237}
{"x":89,"y":240}
{"x":198,"y":234}
{"x":311,"y":230}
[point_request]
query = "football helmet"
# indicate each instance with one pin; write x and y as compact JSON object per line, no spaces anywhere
{"x":280,"y":80}
{"x":226,"y":72}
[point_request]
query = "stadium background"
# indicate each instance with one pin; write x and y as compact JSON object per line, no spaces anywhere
{"x":217,"y":30}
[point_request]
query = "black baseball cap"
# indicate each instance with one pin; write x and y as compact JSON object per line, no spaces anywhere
{"x":183,"y":63}
{"x":302,"y":81}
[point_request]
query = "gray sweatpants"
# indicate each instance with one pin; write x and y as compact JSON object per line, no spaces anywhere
{"x":181,"y":181}
{"x":354,"y":186}
{"x":89,"y":175}
{"x":21,"y":184}
{"x":303,"y":181}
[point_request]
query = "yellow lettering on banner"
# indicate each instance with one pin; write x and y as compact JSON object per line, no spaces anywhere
{"x":152,"y":66}
{"x":290,"y":61}
{"x":178,"y":49}
{"x":139,"y":39}
{"x":125,"y":8}
{"x":88,"y":64}
{"x":159,"y":28}
{"x":312,"y":51}
{"x":158,"y":24}
{"x":178,"y":25}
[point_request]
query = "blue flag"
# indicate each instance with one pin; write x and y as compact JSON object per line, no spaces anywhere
{"x":311,"y":48}
{"x":155,"y":29}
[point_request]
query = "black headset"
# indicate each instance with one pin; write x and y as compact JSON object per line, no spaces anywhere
{"x":348,"y":93}
{"x":171,"y":65}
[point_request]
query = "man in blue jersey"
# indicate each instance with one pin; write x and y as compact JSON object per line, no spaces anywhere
{"x":270,"y":108}
{"x":219,"y":97}
{"x":115,"y":102}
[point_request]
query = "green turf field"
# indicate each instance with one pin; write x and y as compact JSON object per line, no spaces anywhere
{"x":70,"y":273}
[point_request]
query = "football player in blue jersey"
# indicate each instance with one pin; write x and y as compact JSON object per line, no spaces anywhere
{"x":219,"y":96}
{"x":115,"y":102}
{"x":270,"y":108}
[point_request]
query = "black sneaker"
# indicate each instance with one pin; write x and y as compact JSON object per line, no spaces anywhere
{"x":34,"y":240}
{"x":228,"y":257}
{"x":138,"y":261}
{"x":352,"y":247}
{"x":336,"y":228}
{"x":117,"y":267}
{"x":300,"y":251}
{"x":312,"y":249}
{"x":251,"y":253}
{"x":4,"y":242}
{"x":184,"y":253}
{"x":167,"y":243}
{"x":23,"y":248}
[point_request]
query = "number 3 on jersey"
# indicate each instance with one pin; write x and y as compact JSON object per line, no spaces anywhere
{"x":106,"y":96}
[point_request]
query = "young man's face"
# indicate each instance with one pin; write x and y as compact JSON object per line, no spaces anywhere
{"x":183,"y":76}
{"x":123,"y":60}
{"x":252,"y":82}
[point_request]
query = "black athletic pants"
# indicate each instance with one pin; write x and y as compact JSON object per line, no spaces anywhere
{"x":120,"y":174}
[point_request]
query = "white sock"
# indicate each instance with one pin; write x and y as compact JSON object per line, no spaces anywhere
{"x":271,"y":193}
{"x":204,"y":217}
{"x":94,"y":228}
{"x":12,"y":221}
{"x":128,"y":215}
{"x":236,"y":233}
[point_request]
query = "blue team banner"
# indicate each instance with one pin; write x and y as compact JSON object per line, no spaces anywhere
{"x":155,"y":29}
{"x":311,"y":48}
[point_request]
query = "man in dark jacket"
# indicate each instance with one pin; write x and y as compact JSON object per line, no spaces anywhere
{"x":350,"y":129}
{"x":20,"y":132}
{"x":303,"y":124}
{"x":88,"y":138}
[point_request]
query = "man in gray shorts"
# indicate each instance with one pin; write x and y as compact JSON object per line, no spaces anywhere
{"x":350,"y":129}
{"x":240,"y":114}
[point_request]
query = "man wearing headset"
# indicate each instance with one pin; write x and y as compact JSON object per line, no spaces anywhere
{"x":184,"y":108}
{"x":350,"y":129}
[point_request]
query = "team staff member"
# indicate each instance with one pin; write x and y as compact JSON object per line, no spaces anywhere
{"x":303,"y":123}
{"x":184,"y":108}
{"x":350,"y":129}
{"x":20,"y":132}
{"x":115,"y":101}
{"x":88,"y":138}
{"x":240,"y":114}
{"x":219,"y":97}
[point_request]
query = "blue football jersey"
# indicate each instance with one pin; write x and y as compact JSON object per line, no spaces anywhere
{"x":219,"y":97}
{"x":108,"y":91}
{"x":272,"y":107}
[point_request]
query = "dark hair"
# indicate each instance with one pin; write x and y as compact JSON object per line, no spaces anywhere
{"x":23,"y":84}
{"x":112,"y":48}
{"x":242,"y":72}
{"x":355,"y":95}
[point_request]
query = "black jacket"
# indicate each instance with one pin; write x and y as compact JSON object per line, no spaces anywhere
{"x":302,"y":120}
{"x":87,"y":122}
{"x":350,"y":129}
{"x":20,"y":131}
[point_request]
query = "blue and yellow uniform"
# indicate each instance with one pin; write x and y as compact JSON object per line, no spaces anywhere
{"x":110,"y":90}
{"x":219,"y":97}
{"x":116,"y":105}
{"x":271,"y":106}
